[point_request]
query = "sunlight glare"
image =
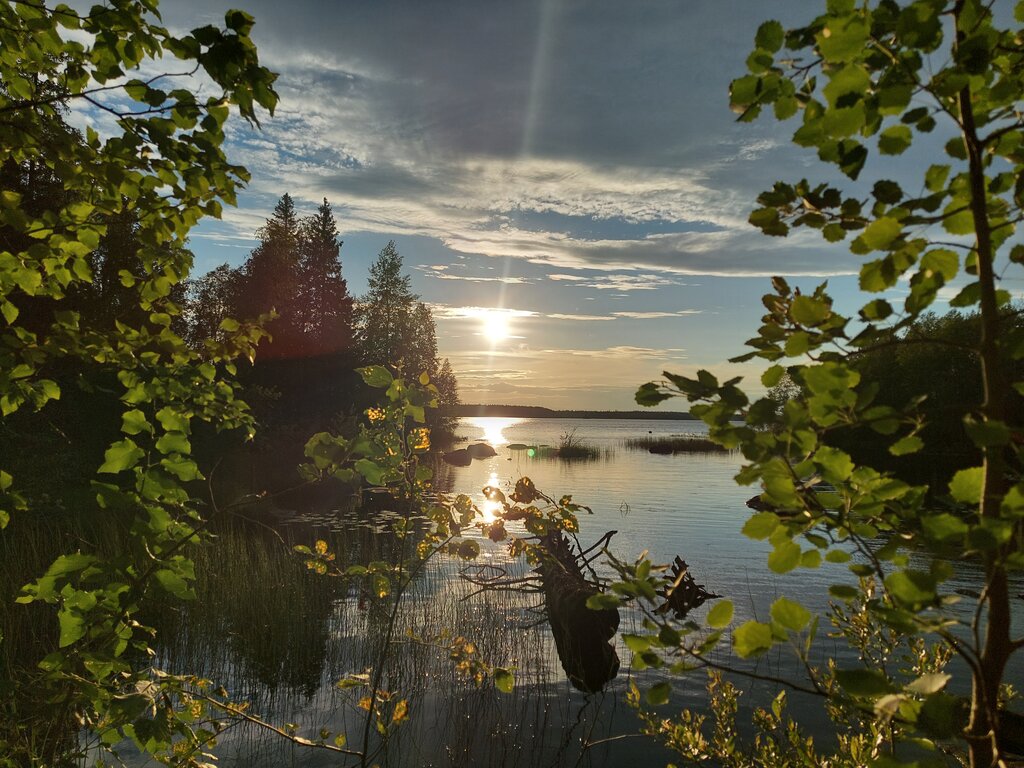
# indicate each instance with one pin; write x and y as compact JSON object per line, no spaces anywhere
{"x":495,"y":326}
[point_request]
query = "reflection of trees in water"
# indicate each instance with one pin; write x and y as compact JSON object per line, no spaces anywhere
{"x":280,"y":636}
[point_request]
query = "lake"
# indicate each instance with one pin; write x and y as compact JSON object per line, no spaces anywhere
{"x":282,"y":637}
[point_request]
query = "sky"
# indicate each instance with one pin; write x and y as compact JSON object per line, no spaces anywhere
{"x":563,"y":178}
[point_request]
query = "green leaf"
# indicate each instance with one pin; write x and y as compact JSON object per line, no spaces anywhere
{"x":173,"y":420}
{"x":173,"y":583}
{"x":173,"y":442}
{"x":121,"y":456}
{"x":894,"y":140}
{"x":790,"y":614}
{"x":761,"y":525}
{"x":843,"y":39}
{"x":376,"y":376}
{"x":72,"y":627}
{"x":942,"y":261}
{"x":935,"y":177}
{"x":966,"y":485}
{"x":504,"y":680}
{"x":843,"y":591}
{"x":770,"y":36}
{"x":836,"y":465}
{"x":720,"y":615}
{"x":987,"y":433}
{"x":958,"y":218}
{"x":851,"y":79}
{"x":807,"y":310}
{"x":913,"y":589}
{"x":752,"y":639}
{"x":603,"y":601}
{"x":909,"y":444}
{"x":864,"y":683}
{"x":658,"y":694}
{"x":785,"y":557}
{"x":881,"y":233}
{"x":134,"y":421}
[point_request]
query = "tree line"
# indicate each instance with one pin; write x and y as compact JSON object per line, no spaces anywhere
{"x":295,"y":272}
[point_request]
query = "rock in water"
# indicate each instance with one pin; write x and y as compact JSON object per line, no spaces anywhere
{"x":480,"y":451}
{"x":459,"y":458}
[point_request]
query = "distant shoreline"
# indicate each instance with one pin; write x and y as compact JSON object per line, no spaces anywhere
{"x":539,"y":412}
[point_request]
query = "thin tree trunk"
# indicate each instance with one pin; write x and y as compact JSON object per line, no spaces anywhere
{"x":996,"y":647}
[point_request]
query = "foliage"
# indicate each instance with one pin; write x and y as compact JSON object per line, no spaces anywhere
{"x":73,"y":208}
{"x":880,"y":76}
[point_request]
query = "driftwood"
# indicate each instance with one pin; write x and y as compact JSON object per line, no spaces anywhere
{"x":684,"y":594}
{"x":583,"y":636}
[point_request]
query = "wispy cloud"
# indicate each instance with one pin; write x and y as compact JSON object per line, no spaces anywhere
{"x":656,"y":315}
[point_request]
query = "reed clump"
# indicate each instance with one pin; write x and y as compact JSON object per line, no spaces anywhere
{"x":572,"y":447}
{"x":672,"y":444}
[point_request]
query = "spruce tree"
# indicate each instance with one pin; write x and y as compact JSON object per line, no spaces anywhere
{"x":385,"y":312}
{"x":324,"y":302}
{"x":270,"y":280}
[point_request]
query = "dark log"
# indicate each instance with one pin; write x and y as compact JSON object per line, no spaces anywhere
{"x":583,"y":637}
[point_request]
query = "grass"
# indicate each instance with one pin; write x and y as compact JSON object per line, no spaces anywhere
{"x":572,"y":447}
{"x":672,"y":444}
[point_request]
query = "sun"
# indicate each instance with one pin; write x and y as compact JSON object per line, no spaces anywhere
{"x":495,"y":326}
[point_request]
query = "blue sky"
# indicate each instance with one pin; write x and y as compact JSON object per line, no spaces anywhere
{"x":570,"y":163}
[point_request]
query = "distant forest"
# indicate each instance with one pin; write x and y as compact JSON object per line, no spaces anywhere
{"x":537,"y":412}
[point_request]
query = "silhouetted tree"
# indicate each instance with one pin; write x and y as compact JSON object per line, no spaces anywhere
{"x":270,"y":279}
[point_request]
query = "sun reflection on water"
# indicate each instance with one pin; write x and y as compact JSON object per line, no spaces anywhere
{"x":489,"y":510}
{"x":493,"y":428}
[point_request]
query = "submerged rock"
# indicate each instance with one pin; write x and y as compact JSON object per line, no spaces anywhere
{"x":481,"y":451}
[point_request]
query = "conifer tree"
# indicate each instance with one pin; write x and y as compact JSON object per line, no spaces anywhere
{"x":324,"y":302}
{"x":385,"y":312}
{"x":270,"y":280}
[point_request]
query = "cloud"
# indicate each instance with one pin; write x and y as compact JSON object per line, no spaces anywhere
{"x":655,"y":315}
{"x":440,"y":271}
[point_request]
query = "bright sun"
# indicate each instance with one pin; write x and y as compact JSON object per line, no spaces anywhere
{"x":495,"y":326}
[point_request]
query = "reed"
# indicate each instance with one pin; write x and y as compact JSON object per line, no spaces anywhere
{"x":673,"y":444}
{"x":572,"y":447}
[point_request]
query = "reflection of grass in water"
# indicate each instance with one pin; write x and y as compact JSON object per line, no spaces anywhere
{"x":278,"y":635}
{"x":674,"y":444}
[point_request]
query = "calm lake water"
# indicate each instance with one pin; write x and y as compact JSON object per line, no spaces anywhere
{"x":285,"y":640}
